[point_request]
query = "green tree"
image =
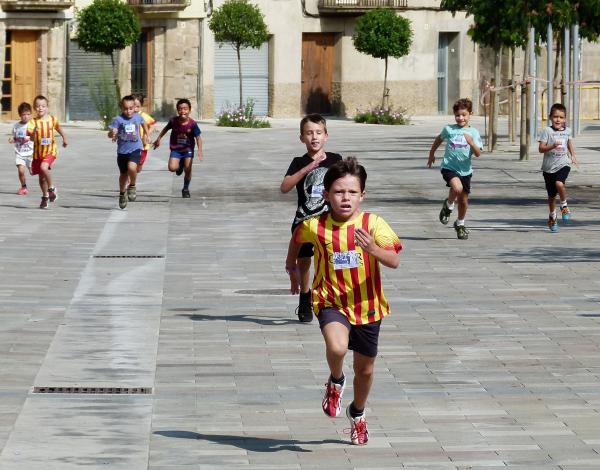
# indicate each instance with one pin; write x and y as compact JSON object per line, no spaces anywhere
{"x":106,"y":26}
{"x":240,"y":24}
{"x":381,"y":33}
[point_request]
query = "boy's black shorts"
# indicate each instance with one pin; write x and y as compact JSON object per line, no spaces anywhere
{"x":123,"y":160}
{"x":465,"y":180}
{"x":551,"y":179}
{"x":363,"y":338}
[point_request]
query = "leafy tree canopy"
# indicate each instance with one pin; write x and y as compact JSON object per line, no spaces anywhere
{"x":239,"y":23}
{"x":106,"y":26}
{"x":382,"y":34}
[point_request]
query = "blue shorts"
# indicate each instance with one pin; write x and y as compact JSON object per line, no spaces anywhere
{"x":363,"y":339}
{"x":123,"y":160}
{"x":184,"y":154}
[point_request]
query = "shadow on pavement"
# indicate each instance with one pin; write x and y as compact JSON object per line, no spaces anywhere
{"x":253,"y":444}
{"x":552,"y":255}
{"x":266,"y":321}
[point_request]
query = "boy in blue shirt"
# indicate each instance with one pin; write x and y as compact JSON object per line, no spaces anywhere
{"x":125,"y":130}
{"x":463,"y":141}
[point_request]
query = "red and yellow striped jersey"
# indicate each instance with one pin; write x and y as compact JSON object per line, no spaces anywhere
{"x":148,"y":120}
{"x":346,"y":277}
{"x":42,"y":131}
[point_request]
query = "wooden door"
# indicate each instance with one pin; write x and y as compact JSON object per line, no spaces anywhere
{"x":24,"y":68}
{"x":317,"y":72}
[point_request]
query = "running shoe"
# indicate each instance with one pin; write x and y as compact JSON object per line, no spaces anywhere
{"x":185,"y":193}
{"x":462,"y":233}
{"x":565,"y":213}
{"x":44,"y":203}
{"x":22,"y":191}
{"x":552,"y":225}
{"x":445,"y":212}
{"x":52,"y":194}
{"x":122,"y":201}
{"x":304,"y":309}
{"x":359,"y":434}
{"x":131,"y":194}
{"x":332,"y":401}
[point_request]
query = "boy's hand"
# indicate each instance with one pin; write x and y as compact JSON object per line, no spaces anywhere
{"x":469,"y":139}
{"x":315,"y":163}
{"x":294,"y":273}
{"x":430,"y":160}
{"x":199,"y":155}
{"x":364,"y":239}
{"x":11,"y":140}
{"x":156,"y":144}
{"x":65,"y":143}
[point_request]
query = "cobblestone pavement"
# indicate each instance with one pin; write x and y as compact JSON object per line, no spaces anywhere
{"x":488,"y":361}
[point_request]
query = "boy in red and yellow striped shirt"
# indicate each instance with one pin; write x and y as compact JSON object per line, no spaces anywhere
{"x":41,"y":129}
{"x":347,"y":291}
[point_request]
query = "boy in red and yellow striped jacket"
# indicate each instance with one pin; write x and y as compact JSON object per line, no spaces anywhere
{"x":347,"y":291}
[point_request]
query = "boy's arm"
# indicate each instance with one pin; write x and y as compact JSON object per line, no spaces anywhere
{"x":146,"y":136}
{"x":546,"y":147}
{"x":474,"y":147}
{"x":436,"y":143}
{"x":156,"y":143}
{"x":62,"y":134}
{"x":290,"y":181}
{"x":366,"y":241}
{"x":571,"y":150}
{"x":199,"y":145}
{"x":291,"y":266}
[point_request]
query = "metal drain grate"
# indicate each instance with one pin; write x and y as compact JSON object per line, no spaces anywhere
{"x":128,"y":256}
{"x":95,"y":390}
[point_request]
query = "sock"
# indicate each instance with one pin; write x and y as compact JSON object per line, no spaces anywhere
{"x":460,"y":222}
{"x":186,"y":183}
{"x":553,"y":215}
{"x":132,"y":186}
{"x":355,"y":412}
{"x":450,"y":206}
{"x":24,"y":185}
{"x":44,"y":198}
{"x":563,"y":203}
{"x":52,"y":189}
{"x":339,"y":381}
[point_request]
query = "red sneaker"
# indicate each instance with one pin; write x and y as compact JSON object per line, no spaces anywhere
{"x":332,"y":401}
{"x":52,"y":196}
{"x":359,"y":434}
{"x":22,"y":192}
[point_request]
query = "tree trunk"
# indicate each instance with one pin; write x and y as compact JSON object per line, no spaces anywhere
{"x":512,"y":111}
{"x":523,"y":148}
{"x":115,"y":76}
{"x":495,"y":99}
{"x":385,"y":92}
{"x":557,"y":57}
{"x":239,"y":59}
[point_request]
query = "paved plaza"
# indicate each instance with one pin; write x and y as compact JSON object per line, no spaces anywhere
{"x":489,"y":360}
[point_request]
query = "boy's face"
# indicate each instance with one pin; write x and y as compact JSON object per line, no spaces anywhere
{"x":137,"y":105}
{"x":41,"y":107}
{"x":558,"y":118}
{"x":314,"y":137}
{"x":462,"y":117}
{"x":183,"y":111}
{"x":128,"y":108}
{"x":25,"y":116}
{"x":344,"y":197}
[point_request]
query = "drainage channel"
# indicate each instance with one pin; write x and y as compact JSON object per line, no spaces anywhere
{"x":129,"y":256}
{"x":95,"y":390}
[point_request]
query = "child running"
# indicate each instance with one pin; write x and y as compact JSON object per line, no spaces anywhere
{"x":150,"y":121}
{"x":347,"y":292}
{"x":42,"y":129}
{"x":184,"y":131}
{"x":306,"y":173}
{"x":463,"y":141}
{"x":556,"y":144}
{"x":23,"y":146}
{"x":126,"y":130}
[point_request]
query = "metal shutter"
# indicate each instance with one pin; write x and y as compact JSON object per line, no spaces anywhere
{"x":83,"y":67}
{"x":255,"y":73}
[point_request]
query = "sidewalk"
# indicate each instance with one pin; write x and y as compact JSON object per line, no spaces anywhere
{"x":488,"y":361}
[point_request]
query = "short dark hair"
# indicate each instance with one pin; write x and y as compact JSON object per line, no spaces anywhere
{"x":315,"y":118}
{"x":463,"y":103}
{"x":39,"y":98}
{"x":348,"y":166}
{"x":23,"y":108}
{"x":183,"y":101}
{"x":558,"y":107}
{"x":139,"y":97}
{"x":127,"y":98}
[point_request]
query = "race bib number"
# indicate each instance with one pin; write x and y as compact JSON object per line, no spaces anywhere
{"x":129,"y":128}
{"x":346,"y":260}
{"x":182,"y":139}
{"x":317,"y":191}
{"x":46,"y":141}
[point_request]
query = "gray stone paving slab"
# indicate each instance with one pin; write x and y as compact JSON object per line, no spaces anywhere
{"x":489,"y":359}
